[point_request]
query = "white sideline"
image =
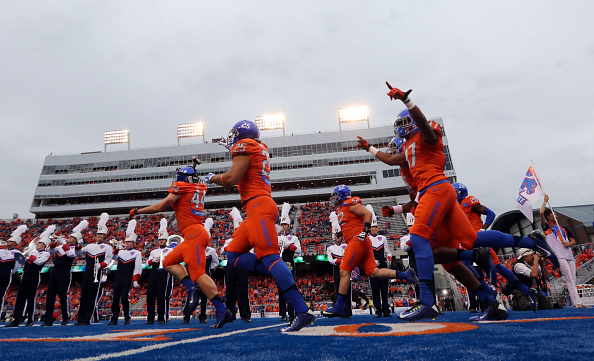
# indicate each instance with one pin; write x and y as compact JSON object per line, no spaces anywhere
{"x":168,"y":344}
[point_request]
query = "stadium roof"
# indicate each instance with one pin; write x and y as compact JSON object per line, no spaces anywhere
{"x":584,"y":213}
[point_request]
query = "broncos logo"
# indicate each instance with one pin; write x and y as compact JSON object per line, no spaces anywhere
{"x":529,"y":184}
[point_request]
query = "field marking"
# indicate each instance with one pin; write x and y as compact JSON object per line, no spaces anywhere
{"x":541,"y":319}
{"x":168,"y":344}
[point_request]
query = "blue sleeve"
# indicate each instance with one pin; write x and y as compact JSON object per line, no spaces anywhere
{"x":569,"y":234}
{"x":490,"y":217}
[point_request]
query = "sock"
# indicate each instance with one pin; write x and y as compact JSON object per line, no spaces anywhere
{"x":218,"y":303}
{"x":484,"y":294}
{"x":468,"y":264}
{"x":188,"y":284}
{"x":506,"y":273}
{"x":424,"y":258}
{"x":284,"y":279}
{"x":340,"y":302}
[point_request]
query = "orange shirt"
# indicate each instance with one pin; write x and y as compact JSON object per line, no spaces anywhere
{"x":350,"y":223}
{"x":425,"y":162}
{"x":189,"y":209}
{"x":256,"y":180}
{"x":408,"y":181}
{"x":475,"y":218}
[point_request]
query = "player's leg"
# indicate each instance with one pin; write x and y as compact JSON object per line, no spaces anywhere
{"x":353,"y":255}
{"x":262,"y":235}
{"x":195,"y":260}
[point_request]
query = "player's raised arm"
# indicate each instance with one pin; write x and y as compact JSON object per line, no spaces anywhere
{"x":425,"y":129}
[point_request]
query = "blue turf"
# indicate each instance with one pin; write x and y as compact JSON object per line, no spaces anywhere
{"x":567,"y":339}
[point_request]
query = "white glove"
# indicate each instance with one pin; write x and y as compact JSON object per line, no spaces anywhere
{"x":104,"y":279}
{"x":208,"y":177}
{"x":135,"y":284}
{"x":223,"y":142}
{"x":376,"y":262}
{"x":80,"y":242}
{"x":97,"y":265}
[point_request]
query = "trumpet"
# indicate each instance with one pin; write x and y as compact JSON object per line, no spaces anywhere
{"x":161,"y":259}
{"x":59,"y":239}
{"x":31,"y":248}
{"x":95,"y":271}
{"x":117,"y":244}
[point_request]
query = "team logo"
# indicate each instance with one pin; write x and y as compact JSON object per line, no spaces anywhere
{"x":132,"y":335}
{"x":528,"y":187}
{"x":386,"y":329}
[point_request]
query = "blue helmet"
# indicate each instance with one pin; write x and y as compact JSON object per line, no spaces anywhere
{"x":187,"y":174}
{"x":340,"y":193}
{"x":241,"y":130}
{"x":395,"y":146}
{"x":461,"y":190}
{"x":404,"y":124}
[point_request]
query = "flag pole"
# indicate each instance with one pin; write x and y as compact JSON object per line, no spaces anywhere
{"x":549,"y":203}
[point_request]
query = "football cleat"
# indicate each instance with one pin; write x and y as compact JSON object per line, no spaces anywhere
{"x":333,"y":312}
{"x":301,"y":321}
{"x":419,"y":312}
{"x":542,"y":247}
{"x":222,"y":318}
{"x":495,"y":312}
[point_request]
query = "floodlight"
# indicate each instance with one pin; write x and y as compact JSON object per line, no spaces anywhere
{"x":270,"y":122}
{"x":116,"y":137}
{"x":189,"y":130}
{"x":353,"y":114}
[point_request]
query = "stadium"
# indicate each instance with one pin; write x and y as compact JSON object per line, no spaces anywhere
{"x":305,"y":169}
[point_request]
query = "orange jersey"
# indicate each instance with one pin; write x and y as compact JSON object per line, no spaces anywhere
{"x":189,"y":209}
{"x":474,"y":218}
{"x":350,"y":223}
{"x":408,"y":181}
{"x":425,"y":162}
{"x":256,"y":180}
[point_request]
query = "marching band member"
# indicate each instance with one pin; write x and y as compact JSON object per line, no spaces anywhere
{"x":236,"y":280}
{"x":11,"y":260}
{"x":382,"y":254}
{"x":61,"y":276}
{"x":36,"y":256}
{"x":289,"y":246}
{"x":97,"y":256}
{"x":335,"y":252}
{"x":158,"y":278}
{"x":128,"y":273}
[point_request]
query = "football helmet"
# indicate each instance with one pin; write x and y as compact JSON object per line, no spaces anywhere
{"x":241,"y":130}
{"x":461,"y":190}
{"x":340,"y":193}
{"x":404,"y":124}
{"x":395,"y":146}
{"x":187,"y":174}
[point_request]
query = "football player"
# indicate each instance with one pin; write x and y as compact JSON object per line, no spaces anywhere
{"x":437,"y":206}
{"x":355,"y":223}
{"x":250,"y":171}
{"x":186,"y":196}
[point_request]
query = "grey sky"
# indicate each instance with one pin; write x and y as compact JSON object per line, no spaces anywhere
{"x":511,"y":79}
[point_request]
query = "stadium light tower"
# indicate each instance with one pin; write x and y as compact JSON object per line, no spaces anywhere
{"x":190,"y":130}
{"x":353,"y":114}
{"x":116,"y":137}
{"x":269,"y":122}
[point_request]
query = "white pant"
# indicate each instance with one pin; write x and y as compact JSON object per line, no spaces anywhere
{"x":568,"y":271}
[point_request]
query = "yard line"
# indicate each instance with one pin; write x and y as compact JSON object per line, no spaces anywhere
{"x":168,"y":344}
